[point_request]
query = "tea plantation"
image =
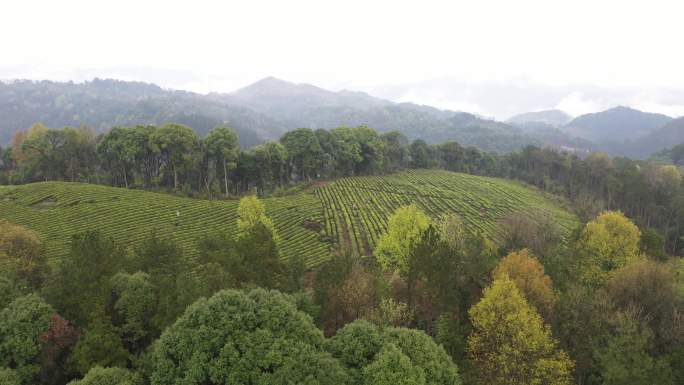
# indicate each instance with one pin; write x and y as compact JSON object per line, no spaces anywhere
{"x":349,"y":213}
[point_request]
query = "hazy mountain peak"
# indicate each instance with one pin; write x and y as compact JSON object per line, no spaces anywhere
{"x":271,"y":86}
{"x":554,"y":118}
{"x":616,"y":124}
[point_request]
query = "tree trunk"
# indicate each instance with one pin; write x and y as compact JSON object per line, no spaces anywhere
{"x":175,"y":178}
{"x":125,"y":177}
{"x":225,"y":176}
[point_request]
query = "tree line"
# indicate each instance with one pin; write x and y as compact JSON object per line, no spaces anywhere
{"x":172,"y":156}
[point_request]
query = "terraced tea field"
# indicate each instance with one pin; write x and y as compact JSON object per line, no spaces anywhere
{"x":56,"y":210}
{"x":349,"y":213}
{"x":357,"y":209}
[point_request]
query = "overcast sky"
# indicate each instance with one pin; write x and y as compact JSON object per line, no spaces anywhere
{"x":494,"y":58}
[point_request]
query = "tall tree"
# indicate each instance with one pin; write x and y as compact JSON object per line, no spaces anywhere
{"x":272,"y":160}
{"x":257,"y":244}
{"x":222,"y":145}
{"x":175,"y":143}
{"x":395,"y":249}
{"x":395,"y":150}
{"x":134,"y":302}
{"x":304,"y":152}
{"x":81,"y":286}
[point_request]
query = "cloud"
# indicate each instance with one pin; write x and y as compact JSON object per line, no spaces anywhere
{"x":576,"y":104}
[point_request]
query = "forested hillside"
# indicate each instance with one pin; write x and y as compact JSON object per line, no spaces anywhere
{"x":102,"y":104}
{"x":262,"y":111}
{"x":270,"y":107}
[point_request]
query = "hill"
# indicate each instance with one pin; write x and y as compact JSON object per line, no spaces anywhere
{"x":554,"y":118}
{"x":615,"y":125}
{"x":663,"y":138}
{"x":304,"y":105}
{"x":261,"y":111}
{"x":102,"y":104}
{"x":351,"y":212}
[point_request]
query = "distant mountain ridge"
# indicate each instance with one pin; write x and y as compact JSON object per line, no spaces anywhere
{"x":268,"y":108}
{"x":102,"y":104}
{"x":261,"y":111}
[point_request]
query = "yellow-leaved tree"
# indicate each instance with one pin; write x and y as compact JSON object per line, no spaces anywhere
{"x":510,"y":344}
{"x":607,"y":243}
{"x":405,"y":228}
{"x":21,"y":253}
{"x":251,"y":212}
{"x":528,"y":274}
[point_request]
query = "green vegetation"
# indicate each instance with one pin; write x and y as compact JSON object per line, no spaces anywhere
{"x":357,"y":209}
{"x":351,"y":212}
{"x":55,"y":210}
{"x":393,"y":274}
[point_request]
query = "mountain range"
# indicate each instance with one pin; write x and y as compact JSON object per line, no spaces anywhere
{"x":268,"y":108}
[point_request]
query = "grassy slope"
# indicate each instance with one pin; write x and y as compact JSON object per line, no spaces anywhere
{"x":352,"y":210}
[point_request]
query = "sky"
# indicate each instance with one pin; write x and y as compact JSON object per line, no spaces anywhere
{"x":493,"y":58}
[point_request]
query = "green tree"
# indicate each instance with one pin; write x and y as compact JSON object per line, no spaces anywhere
{"x":249,"y":338}
{"x":304,"y":152}
{"x":109,"y":376}
{"x":257,"y":246}
{"x":395,"y":150}
{"x":81,"y":287}
{"x":391,"y":367}
{"x":176,"y":144}
{"x":624,"y":359}
{"x":134,"y":302}
{"x":360,"y":345}
{"x":119,"y":150}
{"x":653,"y":244}
{"x":346,"y":151}
{"x":452,"y":156}
{"x":100,"y":345}
{"x":10,"y":289}
{"x":170,"y":272}
{"x":222,"y":145}
{"x":272,"y":160}
{"x":9,"y":377}
{"x":651,"y":287}
{"x":510,"y":344}
{"x":424,"y":353}
{"x":420,"y":154}
{"x":22,"y":324}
